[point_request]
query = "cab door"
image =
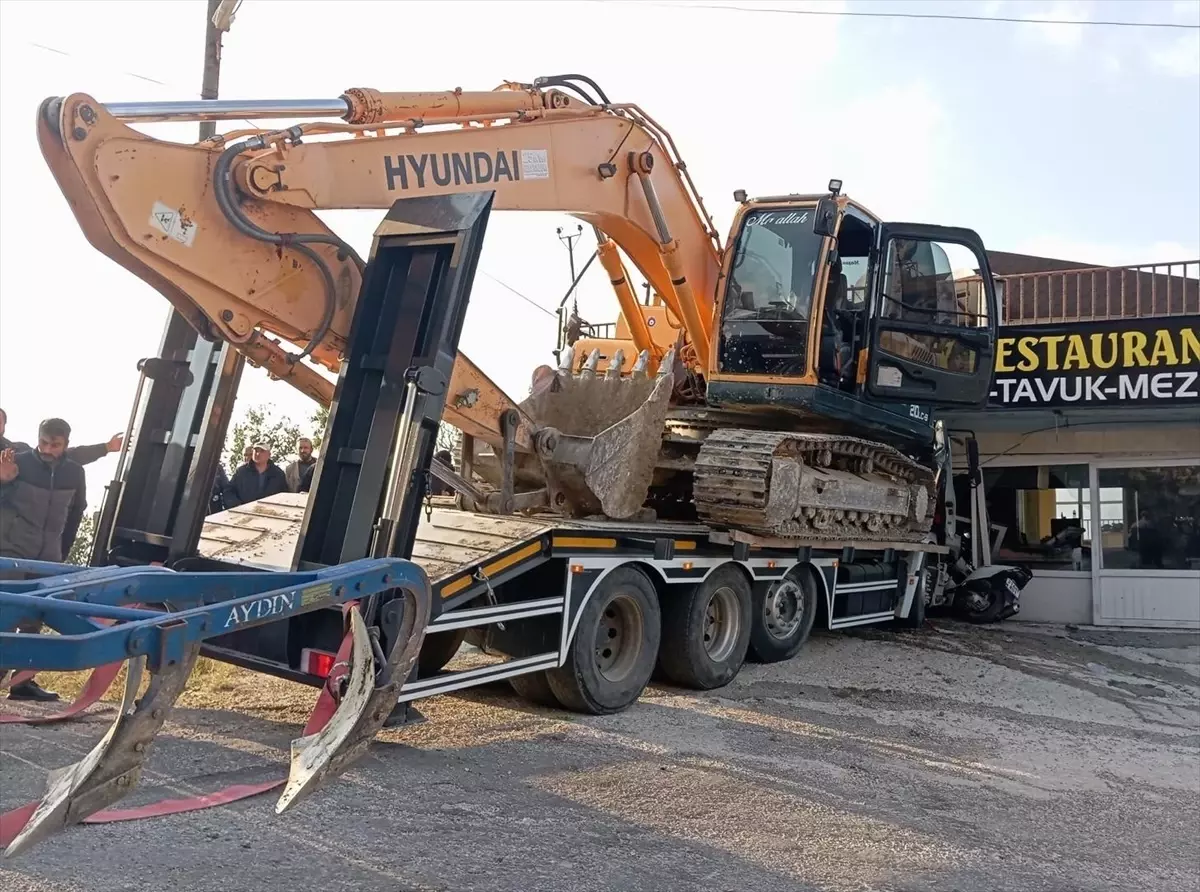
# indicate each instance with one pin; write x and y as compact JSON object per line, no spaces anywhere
{"x":932,"y":331}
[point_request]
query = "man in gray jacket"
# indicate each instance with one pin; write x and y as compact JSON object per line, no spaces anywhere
{"x":42,"y":499}
{"x":302,"y":466}
{"x":85,"y":455}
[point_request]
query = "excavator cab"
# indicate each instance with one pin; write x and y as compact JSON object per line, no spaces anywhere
{"x":828,"y":311}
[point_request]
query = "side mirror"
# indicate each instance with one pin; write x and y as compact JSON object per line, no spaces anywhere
{"x":825,"y":219}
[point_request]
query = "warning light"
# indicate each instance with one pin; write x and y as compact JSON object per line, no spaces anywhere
{"x":770,"y":565}
{"x":316,"y":662}
{"x":687,"y":565}
{"x":576,"y":568}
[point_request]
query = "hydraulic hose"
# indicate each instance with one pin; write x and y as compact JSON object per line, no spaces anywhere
{"x":297,"y":241}
{"x":565,"y":80}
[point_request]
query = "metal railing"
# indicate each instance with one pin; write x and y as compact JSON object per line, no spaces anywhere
{"x":1081,"y":295}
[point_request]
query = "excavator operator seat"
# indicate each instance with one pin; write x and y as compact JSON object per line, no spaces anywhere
{"x":836,"y":352}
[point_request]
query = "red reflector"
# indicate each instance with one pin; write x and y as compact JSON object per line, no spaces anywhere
{"x":316,"y":662}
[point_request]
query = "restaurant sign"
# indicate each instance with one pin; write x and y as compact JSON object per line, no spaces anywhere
{"x":1116,"y":363}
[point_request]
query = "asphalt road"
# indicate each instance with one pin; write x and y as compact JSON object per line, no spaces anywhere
{"x":1007,"y":759}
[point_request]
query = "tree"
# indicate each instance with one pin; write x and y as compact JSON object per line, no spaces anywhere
{"x":280,"y":434}
{"x":320,"y":421}
{"x":81,"y":548}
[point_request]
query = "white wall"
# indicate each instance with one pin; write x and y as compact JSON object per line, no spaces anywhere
{"x":1059,"y":597}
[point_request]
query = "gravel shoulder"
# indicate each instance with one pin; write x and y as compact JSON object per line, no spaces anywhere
{"x":1008,"y":758}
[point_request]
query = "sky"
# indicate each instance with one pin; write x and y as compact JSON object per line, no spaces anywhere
{"x":1074,"y":141}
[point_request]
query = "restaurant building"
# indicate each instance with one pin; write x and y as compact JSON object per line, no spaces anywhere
{"x":1090,"y":444}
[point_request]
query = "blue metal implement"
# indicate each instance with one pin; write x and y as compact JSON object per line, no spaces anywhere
{"x":192,"y":607}
{"x":174,"y":613}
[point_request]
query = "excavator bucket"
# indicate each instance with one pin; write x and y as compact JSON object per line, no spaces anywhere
{"x":599,"y":433}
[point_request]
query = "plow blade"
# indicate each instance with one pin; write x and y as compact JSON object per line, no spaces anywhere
{"x":114,"y":765}
{"x":599,"y":434}
{"x":371,"y":693}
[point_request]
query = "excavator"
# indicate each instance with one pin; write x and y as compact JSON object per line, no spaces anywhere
{"x":756,"y":391}
{"x":752,"y":394}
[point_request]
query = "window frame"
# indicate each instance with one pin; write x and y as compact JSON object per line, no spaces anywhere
{"x":1098,"y":568}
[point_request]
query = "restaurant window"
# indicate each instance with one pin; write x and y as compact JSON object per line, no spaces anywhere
{"x":1159,"y":527}
{"x":1077,"y":503}
{"x":1045,"y":513}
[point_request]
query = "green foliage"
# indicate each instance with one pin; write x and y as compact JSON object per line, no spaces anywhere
{"x":81,"y":549}
{"x":259,"y":426}
{"x":282,"y":434}
{"x":320,"y":421}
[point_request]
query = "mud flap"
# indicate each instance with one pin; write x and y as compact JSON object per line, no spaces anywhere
{"x":599,"y":435}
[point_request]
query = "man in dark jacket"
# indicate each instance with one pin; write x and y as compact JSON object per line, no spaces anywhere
{"x":42,"y":498}
{"x":256,"y":480}
{"x":85,"y":455}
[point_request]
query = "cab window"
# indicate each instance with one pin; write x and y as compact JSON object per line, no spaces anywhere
{"x":768,"y":298}
{"x":928,"y":283}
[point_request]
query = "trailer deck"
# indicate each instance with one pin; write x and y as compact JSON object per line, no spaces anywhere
{"x":453,"y":545}
{"x":488,"y":572}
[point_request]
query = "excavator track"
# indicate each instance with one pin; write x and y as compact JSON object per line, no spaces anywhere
{"x":801,"y":486}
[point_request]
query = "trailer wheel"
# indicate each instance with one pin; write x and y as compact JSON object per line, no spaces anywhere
{"x":437,"y":650}
{"x":612,"y":655}
{"x":707,"y":630}
{"x":782,"y":616}
{"x":535,"y":687}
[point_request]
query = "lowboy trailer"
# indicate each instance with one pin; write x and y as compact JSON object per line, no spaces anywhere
{"x":584,"y":612}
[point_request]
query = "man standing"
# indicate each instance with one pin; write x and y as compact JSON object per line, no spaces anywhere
{"x":302,"y":466}
{"x":85,"y":455}
{"x":256,"y":480}
{"x":42,"y":499}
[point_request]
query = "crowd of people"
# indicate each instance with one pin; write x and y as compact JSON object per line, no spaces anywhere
{"x":43,"y":494}
{"x":259,"y":477}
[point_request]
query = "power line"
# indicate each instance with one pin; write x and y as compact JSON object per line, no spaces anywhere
{"x":527,"y":300}
{"x":133,"y":74}
{"x":918,"y":15}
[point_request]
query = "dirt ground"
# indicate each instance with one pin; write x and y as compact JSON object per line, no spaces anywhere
{"x":955,"y":758}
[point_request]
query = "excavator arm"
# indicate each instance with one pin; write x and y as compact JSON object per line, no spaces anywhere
{"x":226,"y":229}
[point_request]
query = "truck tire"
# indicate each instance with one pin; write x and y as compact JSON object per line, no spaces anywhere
{"x":535,"y":687}
{"x":706,"y":630}
{"x":437,"y":650}
{"x":782,"y":616}
{"x":613,"y":652}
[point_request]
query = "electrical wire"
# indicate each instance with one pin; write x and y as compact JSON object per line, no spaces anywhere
{"x":527,"y":300}
{"x":133,"y":74}
{"x":831,"y":13}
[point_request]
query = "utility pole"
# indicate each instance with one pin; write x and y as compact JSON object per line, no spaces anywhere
{"x":171,"y":475}
{"x":210,"y":80}
{"x":569,"y":241}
